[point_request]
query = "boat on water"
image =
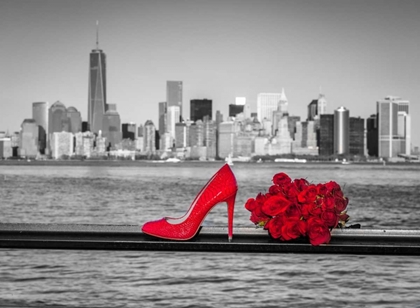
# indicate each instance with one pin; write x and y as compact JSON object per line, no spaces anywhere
{"x":229,"y":160}
{"x":290,"y":160}
{"x":243,"y":159}
{"x":173,"y":160}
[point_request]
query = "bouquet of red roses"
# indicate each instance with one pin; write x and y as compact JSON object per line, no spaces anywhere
{"x":292,"y":209}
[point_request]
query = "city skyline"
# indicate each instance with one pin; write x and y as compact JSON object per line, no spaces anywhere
{"x":359,"y":53}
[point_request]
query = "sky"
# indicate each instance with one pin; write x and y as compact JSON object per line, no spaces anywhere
{"x":354,"y":52}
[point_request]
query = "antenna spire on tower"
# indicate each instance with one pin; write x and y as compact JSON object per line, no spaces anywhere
{"x":97,"y":34}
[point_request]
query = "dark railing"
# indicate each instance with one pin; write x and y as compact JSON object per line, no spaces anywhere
{"x":211,"y":239}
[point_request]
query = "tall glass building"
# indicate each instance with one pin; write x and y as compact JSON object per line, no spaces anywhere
{"x":234,"y":109}
{"x":267,"y":103}
{"x":149,"y":137}
{"x":322,"y":104}
{"x":129,"y":131}
{"x":312,"y":110}
{"x":28,"y":145}
{"x":172,"y":119}
{"x":391,"y":140}
{"x":97,"y":105}
{"x":75,"y":119}
{"x":372,"y":135}
{"x":357,"y":136}
{"x":200,"y":108}
{"x":57,"y":119}
{"x":326,"y":138}
{"x":174,"y":96}
{"x":40,"y":115}
{"x":163,"y":118}
{"x":341,"y":131}
{"x":111,"y":127}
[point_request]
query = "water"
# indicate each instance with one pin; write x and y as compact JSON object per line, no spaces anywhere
{"x":380,"y":197}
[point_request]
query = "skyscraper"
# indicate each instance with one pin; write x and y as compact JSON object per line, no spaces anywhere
{"x":163,"y":118}
{"x":280,"y":114}
{"x":326,"y":143}
{"x":269,"y":102}
{"x":341,"y":131}
{"x":238,"y":107}
{"x":28,"y":142}
{"x":182,"y":135}
{"x":97,"y":105}
{"x":57,"y":119}
{"x":172,"y":119}
{"x":62,"y":144}
{"x":372,"y":135}
{"x":200,"y":108}
{"x":174,"y":96}
{"x":210,"y":131}
{"x":75,"y":120}
{"x":322,"y":104}
{"x":356,"y":136}
{"x":283,"y":105}
{"x":149,"y":137}
{"x":40,"y":115}
{"x":312,"y":110}
{"x":404,"y":125}
{"x":226,"y":139}
{"x":317,"y":107}
{"x":292,"y":120}
{"x":129,"y":131}
{"x":390,"y":143}
{"x":234,"y":109}
{"x":111,"y":127}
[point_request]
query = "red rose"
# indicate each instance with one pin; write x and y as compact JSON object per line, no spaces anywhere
{"x":251,"y":204}
{"x":257,"y":216}
{"x":281,"y":179}
{"x":275,"y":227}
{"x":329,"y":203}
{"x":301,"y":184}
{"x":311,"y":210}
{"x":291,"y":193}
{"x":293,"y":211}
{"x":275,"y":190}
{"x":343,"y":217}
{"x":330,"y":218}
{"x":308,"y":195}
{"x":332,"y":186}
{"x":334,"y":189}
{"x":322,"y":189}
{"x":318,"y":232}
{"x":293,"y":228}
{"x":261,"y":198}
{"x":275,"y":205}
{"x":305,"y":211}
{"x":314,"y":209}
{"x":340,"y":204}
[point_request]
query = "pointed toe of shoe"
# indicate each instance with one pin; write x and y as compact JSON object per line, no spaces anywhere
{"x":148,"y":227}
{"x":154,"y":228}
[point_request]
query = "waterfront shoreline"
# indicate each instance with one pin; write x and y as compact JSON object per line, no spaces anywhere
{"x":119,"y":163}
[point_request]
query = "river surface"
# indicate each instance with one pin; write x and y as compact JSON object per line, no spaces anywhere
{"x":380,"y":197}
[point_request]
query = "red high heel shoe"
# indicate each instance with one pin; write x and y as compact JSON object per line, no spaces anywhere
{"x":221,"y":187}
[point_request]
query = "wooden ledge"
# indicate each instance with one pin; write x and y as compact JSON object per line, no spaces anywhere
{"x":210,"y":239}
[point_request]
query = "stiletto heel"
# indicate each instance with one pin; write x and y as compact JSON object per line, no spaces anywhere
{"x":230,"y":207}
{"x":221,"y":187}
